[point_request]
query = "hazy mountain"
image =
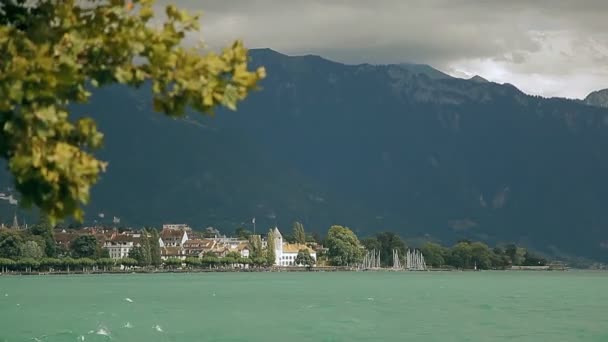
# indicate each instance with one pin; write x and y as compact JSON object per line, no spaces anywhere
{"x":370,"y":147}
{"x":598,"y":98}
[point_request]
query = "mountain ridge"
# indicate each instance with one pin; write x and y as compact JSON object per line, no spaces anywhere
{"x":372,"y":147}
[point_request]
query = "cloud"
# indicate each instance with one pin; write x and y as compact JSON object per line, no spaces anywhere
{"x":548,"y":47}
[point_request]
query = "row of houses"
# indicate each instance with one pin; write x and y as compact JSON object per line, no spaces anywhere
{"x":181,"y":242}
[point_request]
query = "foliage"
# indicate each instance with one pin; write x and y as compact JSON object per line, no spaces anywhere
{"x":144,"y":257}
{"x":28,"y":264}
{"x":385,"y":242}
{"x":128,"y":262}
{"x":298,"y":233}
{"x":44,"y":230}
{"x":10,"y":244}
{"x":434,"y":254}
{"x":209,"y":260}
{"x":84,"y":246}
{"x":255,"y":243}
{"x":234,"y":255}
{"x":52,"y":51}
{"x":304,"y":258}
{"x":228,"y":261}
{"x":516,"y":254}
{"x":481,"y":255}
{"x":154,"y":248}
{"x":49,"y":263}
{"x":5,"y":264}
{"x":173,"y":262}
{"x":344,"y":247}
{"x":106,"y":263}
{"x":461,"y":255}
{"x":68,"y":263}
{"x":530,"y":259}
{"x":259,"y":261}
{"x":30,"y":249}
{"x":193,"y":262}
{"x":270,"y":252}
{"x":85,"y":263}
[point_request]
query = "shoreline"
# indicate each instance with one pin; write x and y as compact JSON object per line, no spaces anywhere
{"x":262,"y":270}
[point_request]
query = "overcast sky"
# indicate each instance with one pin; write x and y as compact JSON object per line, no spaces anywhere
{"x":544,"y":47}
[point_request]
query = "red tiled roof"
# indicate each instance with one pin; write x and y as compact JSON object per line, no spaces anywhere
{"x":171,"y":233}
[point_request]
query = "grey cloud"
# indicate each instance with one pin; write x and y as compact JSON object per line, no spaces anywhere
{"x":550,"y":38}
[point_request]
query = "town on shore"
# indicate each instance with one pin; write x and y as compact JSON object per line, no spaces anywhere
{"x":42,"y":249}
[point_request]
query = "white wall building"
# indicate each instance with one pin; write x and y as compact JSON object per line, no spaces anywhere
{"x":172,"y":238}
{"x":286,"y":253}
{"x":120,"y":246}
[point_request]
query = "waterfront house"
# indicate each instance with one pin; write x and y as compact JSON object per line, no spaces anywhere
{"x":286,"y":253}
{"x":172,"y":237}
{"x":196,"y":248}
{"x":121,"y":245}
{"x":172,"y":252}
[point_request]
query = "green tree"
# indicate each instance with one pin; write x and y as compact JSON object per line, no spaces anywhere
{"x":298,"y":233}
{"x":461,"y":255}
{"x":371,"y":243}
{"x":145,"y":257}
{"x":6,"y":264}
{"x":234,"y":255}
{"x":84,"y":246}
{"x":86,"y":264}
{"x":173,"y":263}
{"x":210,"y":261}
{"x":10,"y":244}
{"x":228,"y":261}
{"x":304,"y":258}
{"x":270,"y":252}
{"x":344,"y":247}
{"x":106,"y":263}
{"x":434,"y":254}
{"x":30,"y":249}
{"x":259,"y":261}
{"x":481,"y":255}
{"x":255,"y":242}
{"x":500,"y":259}
{"x":49,"y":264}
{"x":28,"y":264}
{"x":154,"y":248}
{"x":193,"y":262}
{"x":136,"y":253}
{"x":53,"y":51}
{"x":388,"y":242}
{"x":530,"y":259}
{"x":45,"y":231}
{"x":128,"y":262}
{"x":516,"y":254}
{"x":69,"y":263}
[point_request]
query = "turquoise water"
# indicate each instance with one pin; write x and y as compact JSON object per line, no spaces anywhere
{"x":430,"y":306}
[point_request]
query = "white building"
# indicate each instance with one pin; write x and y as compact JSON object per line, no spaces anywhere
{"x":121,"y":245}
{"x":172,"y":237}
{"x":286,"y":253}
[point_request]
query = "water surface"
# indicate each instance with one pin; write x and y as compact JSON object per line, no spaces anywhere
{"x":391,"y":306}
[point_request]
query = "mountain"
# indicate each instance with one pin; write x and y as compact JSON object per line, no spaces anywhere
{"x":478,"y":79}
{"x":598,"y":98}
{"x":423,"y":69}
{"x":373,"y":147}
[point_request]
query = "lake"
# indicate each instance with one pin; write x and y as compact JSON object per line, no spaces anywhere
{"x":358,"y":306}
